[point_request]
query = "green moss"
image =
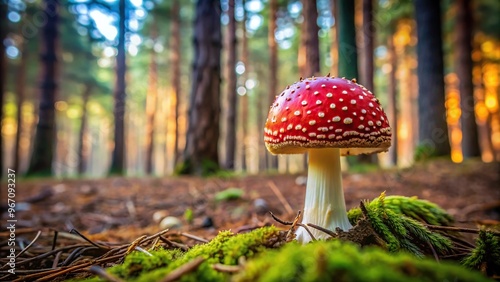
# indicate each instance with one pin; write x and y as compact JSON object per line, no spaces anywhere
{"x":342,"y":261}
{"x":225,"y":248}
{"x":394,"y":220}
{"x":486,"y":255}
{"x":411,"y":207}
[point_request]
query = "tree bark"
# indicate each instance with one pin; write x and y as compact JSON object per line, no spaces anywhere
{"x":201,"y":152}
{"x":393,"y":104}
{"x":151,"y":102}
{"x":348,"y":54}
{"x":118,"y":158}
{"x":45,"y":136}
{"x":244,"y":98}
{"x":470,"y":139}
{"x":311,"y":38}
{"x":368,"y":69}
{"x":433,"y":129}
{"x":175,"y":60}
{"x":82,"y":149}
{"x":20,"y":93}
{"x":232,"y":97}
{"x":273,"y":70}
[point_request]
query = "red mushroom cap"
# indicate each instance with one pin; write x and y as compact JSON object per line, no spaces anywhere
{"x":327,"y":112}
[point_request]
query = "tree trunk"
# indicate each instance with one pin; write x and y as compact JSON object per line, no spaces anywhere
{"x":151,"y":102}
{"x":3,"y":35}
{"x":244,"y":98}
{"x":433,"y":129}
{"x":348,"y":54}
{"x":311,"y":39}
{"x":45,"y":136}
{"x":82,"y":149}
{"x":175,"y":60}
{"x":368,"y":70}
{"x":20,"y":93}
{"x":118,"y":158}
{"x":273,"y":70}
{"x":470,"y":139}
{"x":232,"y":99}
{"x":392,"y":101}
{"x":334,"y":47}
{"x":201,"y":152}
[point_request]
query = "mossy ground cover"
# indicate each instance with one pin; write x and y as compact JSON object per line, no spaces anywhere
{"x":408,"y":252}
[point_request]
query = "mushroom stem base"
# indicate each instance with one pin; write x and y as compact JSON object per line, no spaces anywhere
{"x":324,"y":203}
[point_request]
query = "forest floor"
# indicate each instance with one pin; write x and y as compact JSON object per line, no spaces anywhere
{"x":116,"y":214}
{"x":122,"y":209}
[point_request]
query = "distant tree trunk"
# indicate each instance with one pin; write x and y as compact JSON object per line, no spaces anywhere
{"x":392,"y":101}
{"x":20,"y":93}
{"x":45,"y":136}
{"x":311,"y":39}
{"x":232,"y":97}
{"x":368,"y":70}
{"x":348,"y":54}
{"x":118,"y":158}
{"x":175,"y":60}
{"x":470,"y":139}
{"x":151,"y":101}
{"x":82,"y":150}
{"x":433,"y":130}
{"x":273,"y":69}
{"x":244,"y":98}
{"x":3,"y":35}
{"x":334,"y":48}
{"x":201,"y":152}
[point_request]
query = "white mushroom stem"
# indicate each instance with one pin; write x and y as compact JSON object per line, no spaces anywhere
{"x":324,"y":204}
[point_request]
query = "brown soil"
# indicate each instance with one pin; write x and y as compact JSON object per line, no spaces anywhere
{"x":121,"y":209}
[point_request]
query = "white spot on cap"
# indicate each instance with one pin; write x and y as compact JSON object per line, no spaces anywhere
{"x":304,"y":129}
{"x":321,"y":114}
{"x":379,"y":123}
{"x":321,"y":136}
{"x":323,"y":86}
{"x":348,"y":120}
{"x":361,"y":118}
{"x":331,"y":136}
{"x":373,"y":113}
{"x":361,"y":97}
{"x":304,"y":103}
{"x":363,"y":111}
{"x":298,"y":127}
{"x":282,"y":130}
{"x":312,"y":122}
{"x":370,"y":104}
{"x":308,"y":86}
{"x":338,"y":130}
{"x":336,"y":119}
{"x":344,"y":108}
{"x":329,"y":95}
{"x":332,"y":105}
{"x":370,"y":123}
{"x":344,"y":92}
{"x":341,"y":100}
{"x":352,"y":89}
{"x":312,"y":134}
{"x":316,"y":92}
{"x":334,"y":87}
{"x":353,"y":101}
{"x":361,"y":126}
{"x":318,"y":102}
{"x":283,"y":119}
{"x":290,"y":126}
{"x":297,"y":113}
{"x":308,"y":112}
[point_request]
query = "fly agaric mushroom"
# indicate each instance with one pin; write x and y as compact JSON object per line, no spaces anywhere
{"x":326,"y":117}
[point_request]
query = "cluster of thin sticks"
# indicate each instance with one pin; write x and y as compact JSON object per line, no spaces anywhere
{"x":84,"y":255}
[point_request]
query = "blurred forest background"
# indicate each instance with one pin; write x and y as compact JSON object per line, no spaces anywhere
{"x":135,"y":87}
